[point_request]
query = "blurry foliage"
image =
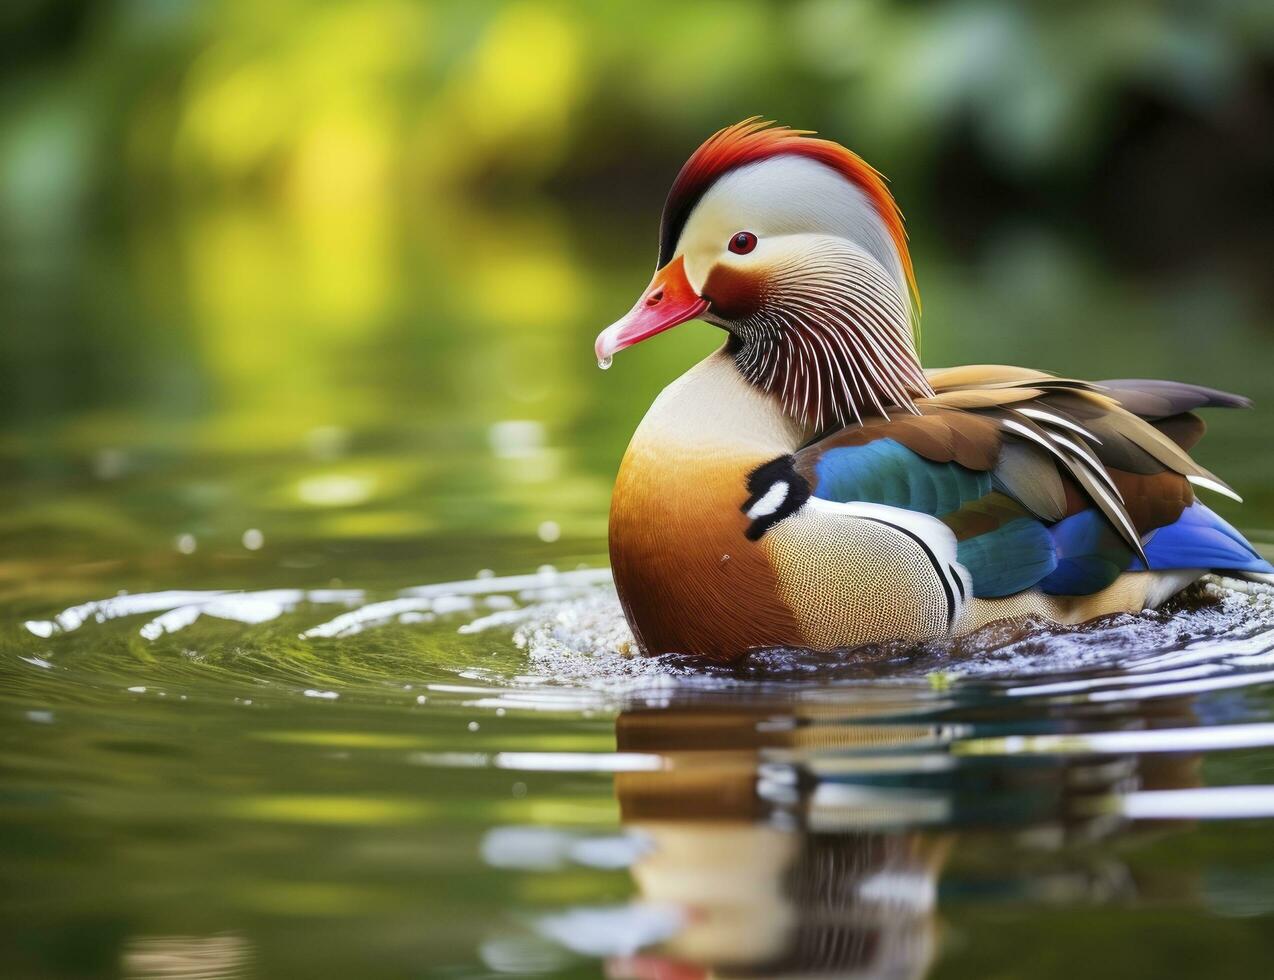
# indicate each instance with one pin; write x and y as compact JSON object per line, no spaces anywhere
{"x":324,"y":104}
{"x":227,"y":226}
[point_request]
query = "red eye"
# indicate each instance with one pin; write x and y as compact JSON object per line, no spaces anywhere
{"x":743,"y":243}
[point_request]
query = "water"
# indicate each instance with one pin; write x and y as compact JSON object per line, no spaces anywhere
{"x":310,"y":665}
{"x":277,"y":783}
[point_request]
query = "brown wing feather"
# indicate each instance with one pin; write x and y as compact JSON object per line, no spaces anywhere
{"x":1153,"y":399}
{"x":978,"y":375}
{"x":940,"y":435}
{"x":1153,"y":500}
{"x":974,"y":398}
{"x":1185,"y":429}
{"x":1030,"y":475}
{"x":1060,"y":445}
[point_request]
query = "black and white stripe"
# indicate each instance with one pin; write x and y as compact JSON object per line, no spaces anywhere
{"x":775,"y":491}
{"x":934,"y":539}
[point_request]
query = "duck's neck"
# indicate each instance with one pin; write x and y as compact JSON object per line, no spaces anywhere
{"x":833,"y":343}
{"x":712,"y":412}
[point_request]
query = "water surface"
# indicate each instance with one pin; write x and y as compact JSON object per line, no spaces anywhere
{"x":310,"y":665}
{"x":476,"y":777}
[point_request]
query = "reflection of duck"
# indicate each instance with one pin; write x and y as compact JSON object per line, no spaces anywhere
{"x":808,"y":839}
{"x":763,"y":894}
{"x":809,"y":485}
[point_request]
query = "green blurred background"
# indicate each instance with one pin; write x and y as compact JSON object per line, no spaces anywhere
{"x":302,"y":290}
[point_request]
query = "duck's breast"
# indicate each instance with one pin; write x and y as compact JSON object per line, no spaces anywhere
{"x":689,"y":578}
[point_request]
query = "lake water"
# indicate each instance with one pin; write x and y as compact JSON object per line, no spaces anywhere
{"x":310,"y":665}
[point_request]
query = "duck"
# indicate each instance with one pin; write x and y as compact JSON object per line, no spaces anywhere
{"x":810,"y":485}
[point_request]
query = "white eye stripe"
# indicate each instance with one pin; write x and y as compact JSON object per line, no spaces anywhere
{"x":770,"y":502}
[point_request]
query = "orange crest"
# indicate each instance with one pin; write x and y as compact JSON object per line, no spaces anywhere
{"x":755,"y":139}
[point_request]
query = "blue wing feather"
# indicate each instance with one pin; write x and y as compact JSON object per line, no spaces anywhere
{"x":1201,"y":538}
{"x":1090,"y":555}
{"x":887,"y":472}
{"x":1078,"y":555}
{"x":1009,"y":559}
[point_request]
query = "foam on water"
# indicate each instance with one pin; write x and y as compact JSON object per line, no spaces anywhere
{"x":572,"y":630}
{"x":1220,"y":626}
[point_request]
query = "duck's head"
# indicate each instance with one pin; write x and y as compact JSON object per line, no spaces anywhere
{"x":795,"y":247}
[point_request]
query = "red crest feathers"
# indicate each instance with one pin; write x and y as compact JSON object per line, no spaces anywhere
{"x":755,"y":139}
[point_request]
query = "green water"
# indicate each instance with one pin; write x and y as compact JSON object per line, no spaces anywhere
{"x":474,"y":782}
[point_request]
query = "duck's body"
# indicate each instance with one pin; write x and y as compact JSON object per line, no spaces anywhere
{"x":808,"y":485}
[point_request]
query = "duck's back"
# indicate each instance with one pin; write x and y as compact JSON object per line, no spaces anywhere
{"x":1065,"y":500}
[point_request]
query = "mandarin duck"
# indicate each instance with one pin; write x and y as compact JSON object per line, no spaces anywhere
{"x":810,"y":485}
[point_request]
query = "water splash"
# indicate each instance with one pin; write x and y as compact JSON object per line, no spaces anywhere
{"x":570,"y":628}
{"x":180,"y":608}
